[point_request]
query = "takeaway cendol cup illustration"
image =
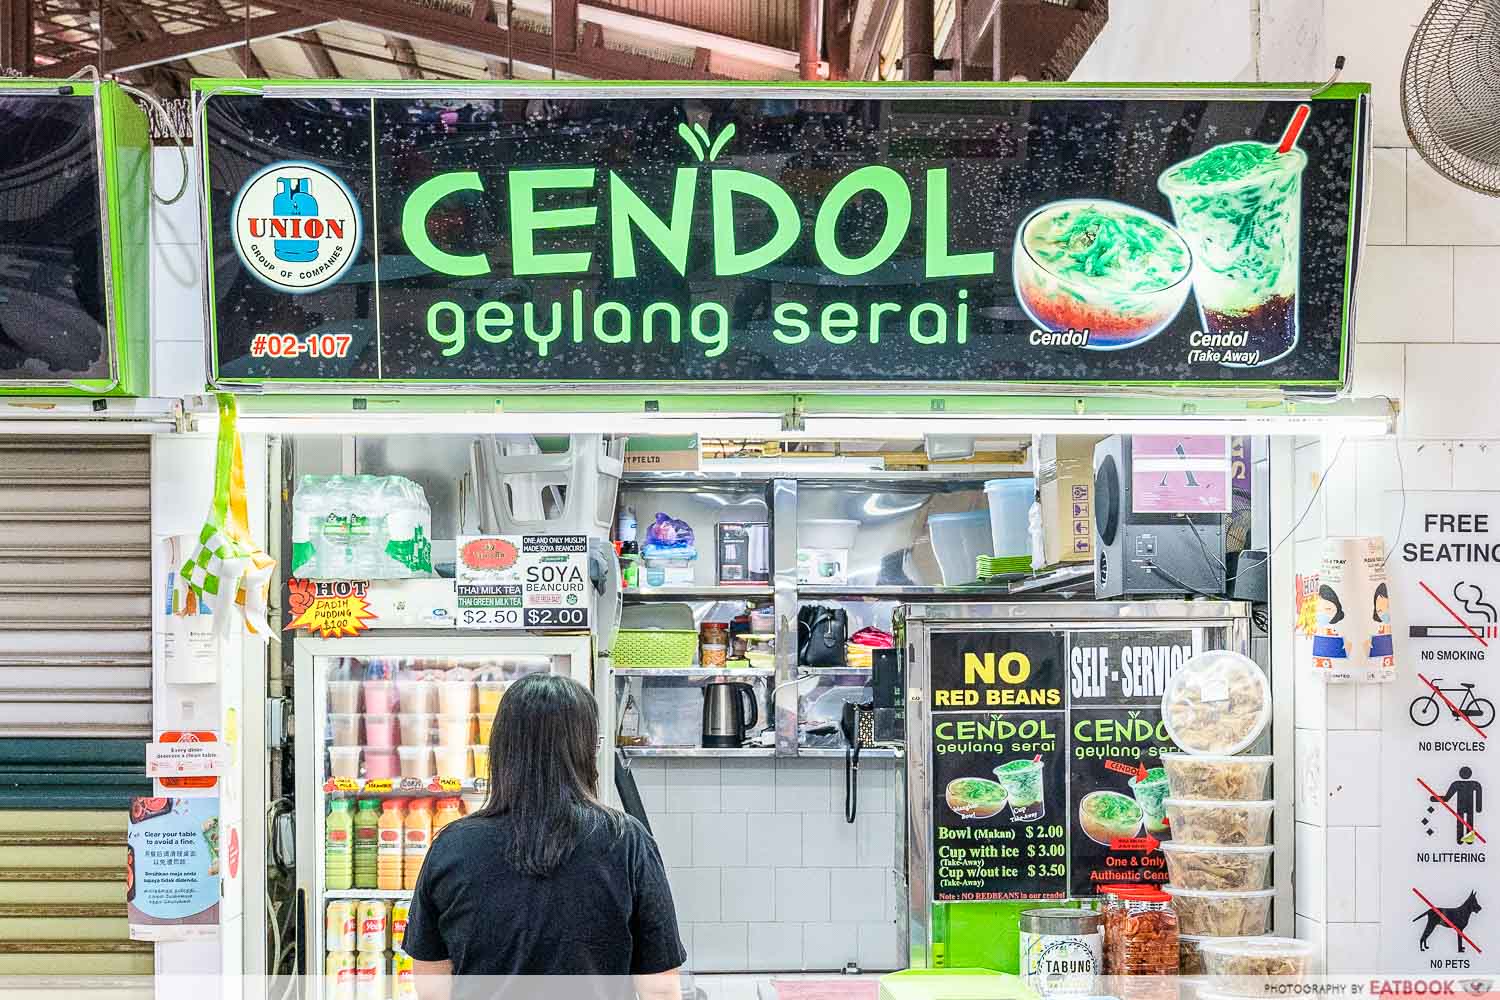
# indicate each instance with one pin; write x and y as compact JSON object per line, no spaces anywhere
{"x":1022,"y":781}
{"x":1239,"y":206}
{"x":1151,"y":796}
{"x":1100,"y":266}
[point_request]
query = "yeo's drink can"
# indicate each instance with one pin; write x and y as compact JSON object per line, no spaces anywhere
{"x":339,"y":973}
{"x":400,"y":913}
{"x":339,"y":926}
{"x":374,"y":925}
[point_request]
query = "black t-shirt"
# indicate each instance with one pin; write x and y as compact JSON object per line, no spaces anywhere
{"x":606,"y":911}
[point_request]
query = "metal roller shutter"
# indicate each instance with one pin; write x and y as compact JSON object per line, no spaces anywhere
{"x":75,"y":587}
{"x":62,"y":895}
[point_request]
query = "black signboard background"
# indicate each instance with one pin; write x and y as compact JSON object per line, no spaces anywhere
{"x":1039,"y":873}
{"x":53,"y":319}
{"x":1088,"y":774}
{"x":1005,"y":158}
{"x":1045,"y":653}
{"x":1117,"y":668}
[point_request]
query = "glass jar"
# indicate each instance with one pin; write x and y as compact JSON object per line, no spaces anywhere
{"x":1148,"y":935}
{"x":1111,"y":915}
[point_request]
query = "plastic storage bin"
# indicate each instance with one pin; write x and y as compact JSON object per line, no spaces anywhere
{"x":1010,"y":512}
{"x":958,"y":540}
{"x":655,"y":647}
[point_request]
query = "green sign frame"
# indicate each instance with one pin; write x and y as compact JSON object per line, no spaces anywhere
{"x":123,"y":152}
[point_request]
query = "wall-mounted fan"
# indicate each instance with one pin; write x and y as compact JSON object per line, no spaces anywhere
{"x":1450,"y":92}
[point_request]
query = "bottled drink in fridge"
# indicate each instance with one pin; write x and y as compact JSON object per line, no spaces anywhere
{"x":448,"y":810}
{"x":366,"y":844}
{"x":389,"y":847}
{"x":338,"y":850}
{"x":418,"y":835}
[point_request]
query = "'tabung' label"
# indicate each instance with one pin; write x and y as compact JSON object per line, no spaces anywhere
{"x":1058,"y":964}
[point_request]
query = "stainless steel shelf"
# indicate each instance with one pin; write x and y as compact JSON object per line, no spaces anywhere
{"x":698,"y":752}
{"x":866,"y":753}
{"x":707,"y":593}
{"x":690,"y":672}
{"x":1064,"y":576}
{"x":367,"y":893}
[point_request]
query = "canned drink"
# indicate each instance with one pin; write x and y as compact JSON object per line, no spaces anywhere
{"x":400,"y":913}
{"x":370,"y":979}
{"x":403,"y":981}
{"x":339,"y":927}
{"x":339,"y":970}
{"x":374,"y":925}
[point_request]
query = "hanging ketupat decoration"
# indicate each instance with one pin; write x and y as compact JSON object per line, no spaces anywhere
{"x":227,"y":559}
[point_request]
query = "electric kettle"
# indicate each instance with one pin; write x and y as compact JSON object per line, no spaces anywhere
{"x":725,"y":722}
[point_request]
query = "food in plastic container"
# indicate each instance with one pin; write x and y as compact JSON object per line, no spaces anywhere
{"x":381,"y":762}
{"x":343,"y":696}
{"x":343,"y":728}
{"x":1203,"y":866}
{"x":416,"y":762}
{"x":380,"y":697}
{"x":1189,"y":958}
{"x":1150,"y":794}
{"x":1107,"y":815}
{"x":1147,"y":935}
{"x":1111,"y":913}
{"x":416,"y":694}
{"x":416,"y":729}
{"x":380,"y":730}
{"x":481,"y":753}
{"x":343,"y":762}
{"x":455,"y":697}
{"x":1201,"y":821}
{"x":1216,"y":913}
{"x":455,"y":730}
{"x":453,"y":762}
{"x":1217,"y":703}
{"x":975,"y":798}
{"x":1254,"y":966}
{"x":1217,"y":776}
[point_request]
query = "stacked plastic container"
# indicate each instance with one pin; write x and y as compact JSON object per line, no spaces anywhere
{"x":419,"y":724}
{"x":1219,"y":859}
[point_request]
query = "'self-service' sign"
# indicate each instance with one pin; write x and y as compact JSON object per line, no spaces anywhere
{"x":815,"y":236}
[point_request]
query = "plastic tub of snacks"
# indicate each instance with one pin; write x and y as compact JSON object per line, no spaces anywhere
{"x":1217,"y":776}
{"x":1254,"y":966}
{"x":1215,"y":913}
{"x":1211,"y":866}
{"x":1202,"y":821}
{"x":1218,"y":703}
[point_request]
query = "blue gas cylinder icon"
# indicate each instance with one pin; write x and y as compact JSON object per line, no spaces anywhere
{"x":291,"y":205}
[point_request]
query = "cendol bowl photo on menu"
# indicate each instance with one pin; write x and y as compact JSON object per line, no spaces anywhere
{"x":1115,"y":271}
{"x":975,"y":798}
{"x":1107,"y":815}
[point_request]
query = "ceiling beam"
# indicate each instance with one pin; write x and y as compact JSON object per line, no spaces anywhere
{"x":169,"y":48}
{"x":245,"y":58}
{"x":459,"y":31}
{"x":323,"y":65}
{"x":404,"y":56}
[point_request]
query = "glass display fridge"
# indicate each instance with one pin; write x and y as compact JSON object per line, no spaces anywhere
{"x":393,"y":744}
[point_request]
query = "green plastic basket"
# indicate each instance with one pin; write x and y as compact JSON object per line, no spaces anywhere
{"x":655,"y":647}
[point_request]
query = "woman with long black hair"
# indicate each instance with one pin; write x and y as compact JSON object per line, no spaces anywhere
{"x":545,"y":879}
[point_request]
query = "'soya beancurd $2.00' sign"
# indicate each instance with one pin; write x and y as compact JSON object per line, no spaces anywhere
{"x":1047,"y":777}
{"x":524,"y":582}
{"x":820,"y":237}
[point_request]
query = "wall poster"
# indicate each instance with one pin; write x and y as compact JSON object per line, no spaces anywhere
{"x":172,"y":878}
{"x":711,"y":234}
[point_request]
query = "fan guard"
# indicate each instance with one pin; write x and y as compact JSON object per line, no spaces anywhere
{"x":1450,"y":92}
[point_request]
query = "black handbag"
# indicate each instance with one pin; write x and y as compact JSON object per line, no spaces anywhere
{"x":821,"y":635}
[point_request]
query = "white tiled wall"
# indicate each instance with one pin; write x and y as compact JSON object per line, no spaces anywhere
{"x":766,"y":873}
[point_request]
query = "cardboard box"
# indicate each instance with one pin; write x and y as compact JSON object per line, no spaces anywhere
{"x":1065,"y":482}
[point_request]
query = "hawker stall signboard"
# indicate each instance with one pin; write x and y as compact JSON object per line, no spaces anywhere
{"x":74,"y":224}
{"x":793,"y":236}
{"x":1439,"y":783}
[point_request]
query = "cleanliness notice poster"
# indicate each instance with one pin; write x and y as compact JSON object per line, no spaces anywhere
{"x":1439,"y":877}
{"x":704,"y":235}
{"x":172,"y":878}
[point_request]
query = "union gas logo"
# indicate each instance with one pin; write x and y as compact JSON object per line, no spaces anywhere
{"x":296,"y":227}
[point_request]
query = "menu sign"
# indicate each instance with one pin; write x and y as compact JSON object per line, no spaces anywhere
{"x":698,"y":234}
{"x":1437,"y":872}
{"x":524,"y":582}
{"x":1046,"y":759}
